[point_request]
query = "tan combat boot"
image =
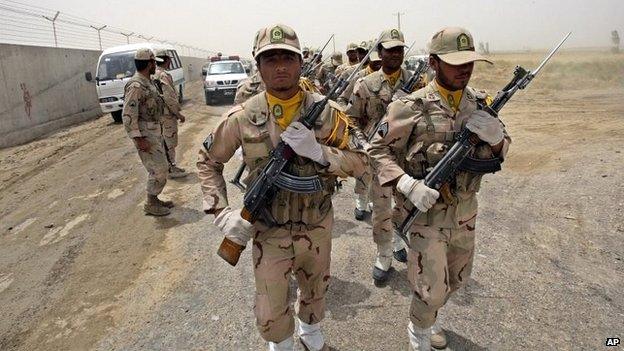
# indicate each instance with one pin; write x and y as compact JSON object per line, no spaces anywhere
{"x":153,"y":207}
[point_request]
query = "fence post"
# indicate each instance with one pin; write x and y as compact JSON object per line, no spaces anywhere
{"x":99,"y":36}
{"x":127,"y":36}
{"x":53,"y":20}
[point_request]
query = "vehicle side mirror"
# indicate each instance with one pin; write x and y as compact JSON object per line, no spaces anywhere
{"x":88,"y":76}
{"x":204,"y":73}
{"x":247,"y":70}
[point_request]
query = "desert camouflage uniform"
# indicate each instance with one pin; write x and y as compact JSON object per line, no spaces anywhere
{"x":369,"y":101}
{"x":415,"y":134}
{"x":142,"y":117}
{"x":301,"y":242}
{"x":248,"y":88}
{"x":170,"y":116}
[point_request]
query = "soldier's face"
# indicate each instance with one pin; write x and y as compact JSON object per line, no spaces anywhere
{"x":392,"y":58}
{"x":152,"y":66}
{"x":361,"y":53}
{"x":375,"y":65}
{"x":352,"y":55}
{"x":280,"y":69}
{"x":450,"y":76}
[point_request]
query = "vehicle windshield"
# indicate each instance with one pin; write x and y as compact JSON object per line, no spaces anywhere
{"x":225,"y":68}
{"x":116,"y":66}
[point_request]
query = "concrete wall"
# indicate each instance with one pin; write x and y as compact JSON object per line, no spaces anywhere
{"x":43,"y":89}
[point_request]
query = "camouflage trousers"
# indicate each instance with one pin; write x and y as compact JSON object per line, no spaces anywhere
{"x":170,"y":136}
{"x":368,"y":185}
{"x":439,"y":263}
{"x":155,"y":161}
{"x":299,"y":249}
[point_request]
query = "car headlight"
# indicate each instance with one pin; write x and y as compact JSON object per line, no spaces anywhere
{"x":210,"y":83}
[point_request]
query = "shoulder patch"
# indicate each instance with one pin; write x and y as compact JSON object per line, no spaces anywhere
{"x":383,"y":129}
{"x":208,"y":142}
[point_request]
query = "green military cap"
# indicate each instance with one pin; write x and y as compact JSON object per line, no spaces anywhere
{"x":278,"y":36}
{"x":455,"y":46}
{"x":145,"y":54}
{"x":352,"y":47}
{"x":391,"y":38}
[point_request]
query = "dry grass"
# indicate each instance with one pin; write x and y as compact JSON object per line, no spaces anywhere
{"x":569,"y":70}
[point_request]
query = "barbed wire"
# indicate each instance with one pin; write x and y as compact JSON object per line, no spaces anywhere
{"x":27,"y":24}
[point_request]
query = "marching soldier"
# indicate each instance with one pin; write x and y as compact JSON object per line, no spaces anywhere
{"x":369,"y":101}
{"x":171,"y":114}
{"x":374,"y":65}
{"x":142,"y":119}
{"x":413,"y":137}
{"x":326,"y":74}
{"x":352,"y":57}
{"x":300,"y":242}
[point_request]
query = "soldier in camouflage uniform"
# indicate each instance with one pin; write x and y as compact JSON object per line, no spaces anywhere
{"x":374,"y":65}
{"x":368,"y":103}
{"x":142,"y":119}
{"x":352,"y":57}
{"x":413,"y":137}
{"x":326,"y":74}
{"x":171,"y":114}
{"x":300,"y":243}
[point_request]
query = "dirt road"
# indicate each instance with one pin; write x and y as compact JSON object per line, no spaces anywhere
{"x":82,"y":268}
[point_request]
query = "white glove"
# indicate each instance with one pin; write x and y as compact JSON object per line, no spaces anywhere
{"x":303,"y":141}
{"x":234,"y":226}
{"x":239,"y":153}
{"x":488,"y":128}
{"x":422,"y":196}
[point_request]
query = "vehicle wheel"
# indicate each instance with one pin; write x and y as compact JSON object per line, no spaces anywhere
{"x":181,"y":95}
{"x":117,"y":116}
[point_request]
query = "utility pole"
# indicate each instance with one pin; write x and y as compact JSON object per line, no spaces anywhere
{"x":127,"y":36}
{"x":398,"y":14}
{"x":53,"y":20}
{"x":99,"y":35}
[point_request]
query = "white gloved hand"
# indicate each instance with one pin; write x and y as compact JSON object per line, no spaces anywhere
{"x":303,"y":142}
{"x":488,"y":128}
{"x":234,"y":227}
{"x":422,"y":196}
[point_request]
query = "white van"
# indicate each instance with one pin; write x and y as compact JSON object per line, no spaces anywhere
{"x":116,"y":66}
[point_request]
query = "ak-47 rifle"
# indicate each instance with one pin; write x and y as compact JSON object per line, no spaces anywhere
{"x":272,"y":178}
{"x":406,"y":89}
{"x":309,"y":66}
{"x":455,"y":158}
{"x":239,"y":173}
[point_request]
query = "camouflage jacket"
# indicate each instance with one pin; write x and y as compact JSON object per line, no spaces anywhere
{"x":248,"y":88}
{"x":143,"y":106}
{"x":413,"y":136}
{"x":252,"y":126}
{"x":169,"y":94}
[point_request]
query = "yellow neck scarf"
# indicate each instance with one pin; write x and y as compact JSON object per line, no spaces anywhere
{"x":284,"y":110}
{"x":392,"y":78}
{"x":452,"y":98}
{"x":369,"y":70}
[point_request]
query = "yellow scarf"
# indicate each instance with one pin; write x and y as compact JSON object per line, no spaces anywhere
{"x":369,"y":70}
{"x":392,"y":78}
{"x":452,"y":98}
{"x":284,"y":110}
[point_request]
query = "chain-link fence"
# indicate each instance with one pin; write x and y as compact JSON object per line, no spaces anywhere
{"x":26,"y":24}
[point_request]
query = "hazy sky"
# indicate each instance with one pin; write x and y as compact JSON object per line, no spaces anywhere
{"x":229,"y":26}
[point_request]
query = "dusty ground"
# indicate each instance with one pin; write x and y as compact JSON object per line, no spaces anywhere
{"x":82,"y":268}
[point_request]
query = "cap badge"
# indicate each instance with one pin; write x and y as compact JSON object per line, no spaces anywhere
{"x":278,"y":111}
{"x":394,"y":34}
{"x":463,"y":42}
{"x":277,"y":35}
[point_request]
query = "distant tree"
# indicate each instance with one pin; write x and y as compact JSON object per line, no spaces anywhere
{"x":615,"y":39}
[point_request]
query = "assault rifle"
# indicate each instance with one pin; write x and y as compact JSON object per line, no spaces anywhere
{"x":272,"y":178}
{"x":452,"y":161}
{"x":309,"y":66}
